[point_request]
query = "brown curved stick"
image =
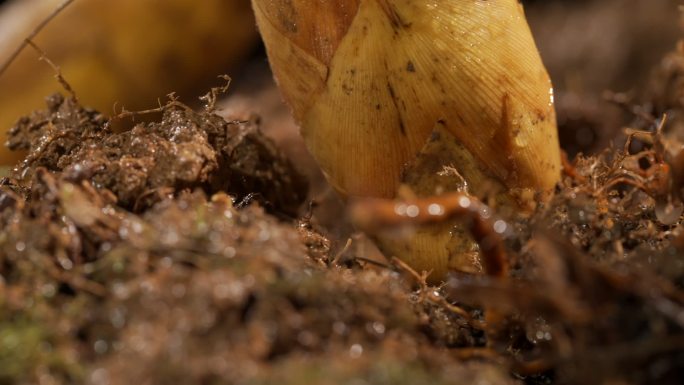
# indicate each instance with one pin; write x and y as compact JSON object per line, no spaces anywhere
{"x":33,"y":34}
{"x":374,"y":215}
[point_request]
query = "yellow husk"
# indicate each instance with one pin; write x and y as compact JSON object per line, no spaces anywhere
{"x":401,"y":68}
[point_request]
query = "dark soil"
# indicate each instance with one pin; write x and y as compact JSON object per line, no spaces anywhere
{"x":147,"y":256}
{"x":183,"y":252}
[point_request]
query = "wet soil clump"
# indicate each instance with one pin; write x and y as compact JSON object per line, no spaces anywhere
{"x":185,"y":150}
{"x":169,"y":254}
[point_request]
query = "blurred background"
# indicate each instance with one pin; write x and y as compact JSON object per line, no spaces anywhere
{"x":130,"y":53}
{"x":594,"y":48}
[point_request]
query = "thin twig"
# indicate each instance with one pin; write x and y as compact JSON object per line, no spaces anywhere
{"x":421,"y":279}
{"x":372,"y":262}
{"x":211,"y":97}
{"x":33,"y":34}
{"x":430,"y":294}
{"x":173,"y":102}
{"x":55,"y":68}
{"x":339,"y":255}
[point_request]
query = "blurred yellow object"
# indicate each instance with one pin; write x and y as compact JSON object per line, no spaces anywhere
{"x":128,"y":52}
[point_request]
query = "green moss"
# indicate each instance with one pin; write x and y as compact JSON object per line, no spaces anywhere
{"x":21,"y":348}
{"x":29,"y":348}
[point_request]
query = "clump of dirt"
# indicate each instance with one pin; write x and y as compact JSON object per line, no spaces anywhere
{"x":131,"y":257}
{"x":141,"y":166}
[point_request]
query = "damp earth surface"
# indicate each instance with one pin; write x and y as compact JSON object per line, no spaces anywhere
{"x":190,"y":250}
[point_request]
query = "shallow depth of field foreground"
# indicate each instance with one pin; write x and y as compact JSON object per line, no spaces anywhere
{"x":193,"y":239}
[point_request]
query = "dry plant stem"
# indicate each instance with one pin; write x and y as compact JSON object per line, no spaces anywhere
{"x":210,"y":97}
{"x":374,"y":215}
{"x":431,"y":295}
{"x":421,"y":279}
{"x":124,"y":113}
{"x":173,"y":102}
{"x":36,"y":31}
{"x":55,"y":68}
{"x":654,"y":181}
{"x":654,"y":138}
{"x":340,"y":254}
{"x":372,"y":262}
